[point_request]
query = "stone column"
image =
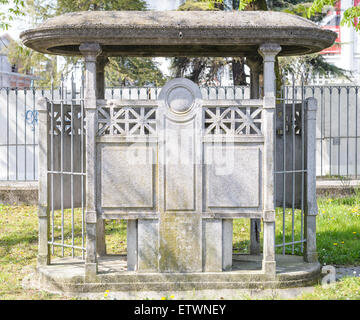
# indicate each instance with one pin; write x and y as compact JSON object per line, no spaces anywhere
{"x":44,"y":185}
{"x":90,"y":52}
{"x":255,"y":65}
{"x":311,"y":209}
{"x":269,"y":52}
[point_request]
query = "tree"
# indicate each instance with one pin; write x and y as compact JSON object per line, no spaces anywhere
{"x":350,"y":17}
{"x":120,"y":69}
{"x":133,"y":71}
{"x":32,"y":62}
{"x":205,"y":70}
{"x":303,"y":68}
{"x":9,"y":10}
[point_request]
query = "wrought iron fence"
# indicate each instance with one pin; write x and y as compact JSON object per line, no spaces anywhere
{"x":338,"y":142}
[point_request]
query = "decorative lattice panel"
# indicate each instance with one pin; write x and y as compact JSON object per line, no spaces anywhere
{"x":57,"y":123}
{"x":126,"y":120}
{"x":233,"y":120}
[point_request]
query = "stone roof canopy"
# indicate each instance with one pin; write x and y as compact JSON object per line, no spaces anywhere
{"x":178,"y":33}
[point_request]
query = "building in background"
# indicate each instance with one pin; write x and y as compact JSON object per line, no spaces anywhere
{"x":345,"y":53}
{"x":9,"y":75}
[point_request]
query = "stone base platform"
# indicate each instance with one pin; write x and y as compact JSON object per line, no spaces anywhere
{"x":67,"y":276}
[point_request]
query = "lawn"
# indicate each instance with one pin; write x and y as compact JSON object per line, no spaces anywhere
{"x":338,"y":235}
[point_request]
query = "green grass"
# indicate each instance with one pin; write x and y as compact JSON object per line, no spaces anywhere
{"x":348,"y":288}
{"x":338,"y":235}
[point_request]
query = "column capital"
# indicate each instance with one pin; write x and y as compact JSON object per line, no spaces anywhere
{"x":269,"y":51}
{"x":90,"y":50}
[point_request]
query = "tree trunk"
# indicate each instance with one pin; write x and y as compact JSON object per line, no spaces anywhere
{"x":238,"y":70}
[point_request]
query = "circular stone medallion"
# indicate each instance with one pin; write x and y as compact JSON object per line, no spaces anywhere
{"x":180,"y":99}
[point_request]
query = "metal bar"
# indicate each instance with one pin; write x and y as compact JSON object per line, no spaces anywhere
{"x":25,"y":125}
{"x":290,"y":243}
{"x":16,"y":134}
{"x":356,"y":133}
{"x":321,"y":130}
{"x":293,"y":166}
{"x":339,"y":115}
{"x":62,"y":161}
{"x":52,"y":164}
{"x":64,"y":245}
{"x":284,"y":167}
{"x":330,"y":162}
{"x":7,"y":136}
{"x":34,"y":137}
{"x":347,"y":131}
{"x":72,"y":132}
{"x":291,"y":171}
{"x":302,"y":131}
{"x":82,"y":166}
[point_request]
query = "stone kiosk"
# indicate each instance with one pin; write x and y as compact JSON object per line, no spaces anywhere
{"x":179,"y":168}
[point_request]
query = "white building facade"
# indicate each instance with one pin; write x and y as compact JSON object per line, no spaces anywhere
{"x":345,"y":53}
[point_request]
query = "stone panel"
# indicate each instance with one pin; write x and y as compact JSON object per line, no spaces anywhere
{"x":126,"y":183}
{"x":179,"y":166}
{"x":233,"y":176}
{"x":180,"y":243}
{"x":148,"y":245}
{"x":212,"y":245}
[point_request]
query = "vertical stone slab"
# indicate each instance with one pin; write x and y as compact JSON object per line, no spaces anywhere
{"x":132,"y":244}
{"x":148,"y":245}
{"x":227,"y":244}
{"x":44,"y":185}
{"x":268,"y":52}
{"x":90,"y":52}
{"x":311,"y":208}
{"x":180,"y":177}
{"x":212,"y":245}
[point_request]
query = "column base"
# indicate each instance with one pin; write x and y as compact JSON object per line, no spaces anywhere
{"x":311,"y":257}
{"x":43,"y":260}
{"x":90,"y":272}
{"x":269,"y":268}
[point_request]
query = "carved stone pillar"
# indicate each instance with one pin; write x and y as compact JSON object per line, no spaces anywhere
{"x":90,"y":52}
{"x":269,"y":52}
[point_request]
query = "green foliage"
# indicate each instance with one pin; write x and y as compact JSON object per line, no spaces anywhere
{"x":350,"y":16}
{"x":195,"y":6}
{"x":8,"y":11}
{"x":32,"y":62}
{"x":304,"y":67}
{"x":133,"y":71}
{"x":64,"y":6}
{"x":318,"y":5}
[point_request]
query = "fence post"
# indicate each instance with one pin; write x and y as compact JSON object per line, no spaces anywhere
{"x":43,"y":209}
{"x":90,"y":52}
{"x":311,"y":209}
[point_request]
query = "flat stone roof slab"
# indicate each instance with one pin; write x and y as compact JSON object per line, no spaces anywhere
{"x":178,"y":33}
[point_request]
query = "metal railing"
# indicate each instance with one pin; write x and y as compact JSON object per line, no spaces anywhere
{"x":337,"y":125}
